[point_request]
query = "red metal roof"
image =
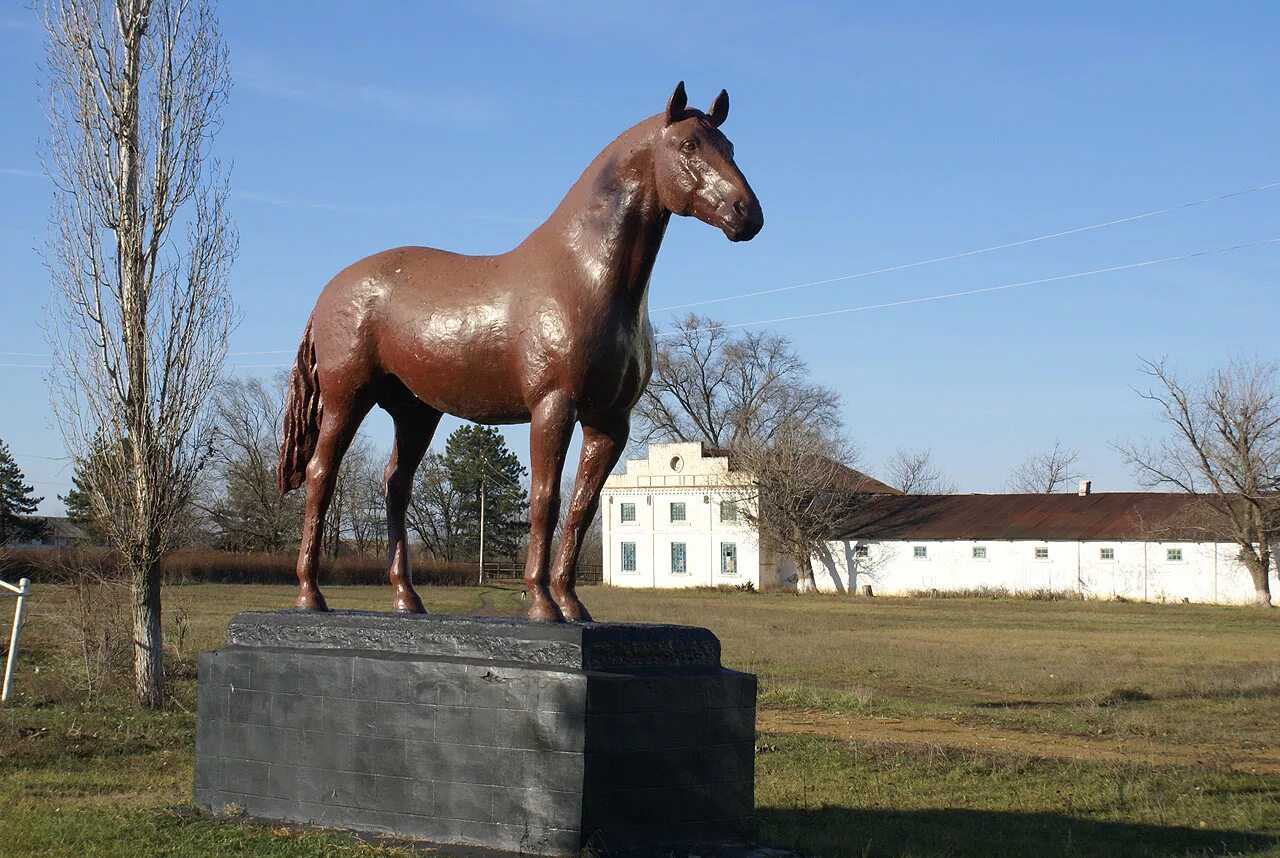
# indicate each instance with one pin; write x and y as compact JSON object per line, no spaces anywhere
{"x":1104,"y":516}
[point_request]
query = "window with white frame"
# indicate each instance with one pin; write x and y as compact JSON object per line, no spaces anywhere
{"x":626,"y":512}
{"x":1173,"y":555}
{"x":728,"y":512}
{"x":628,"y":557}
{"x":679,"y":566}
{"x":1106,"y":554}
{"x":728,"y":558}
{"x":979,"y":552}
{"x":677,"y":511}
{"x":862,"y":552}
{"x":1042,"y":552}
{"x":920,"y":552}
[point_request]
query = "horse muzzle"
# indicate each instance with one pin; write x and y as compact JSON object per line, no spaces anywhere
{"x":742,"y":219}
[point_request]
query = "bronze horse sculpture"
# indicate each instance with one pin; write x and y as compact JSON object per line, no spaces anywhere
{"x":551,"y":333}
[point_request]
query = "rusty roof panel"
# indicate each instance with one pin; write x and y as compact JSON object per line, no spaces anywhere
{"x":1103,"y":516}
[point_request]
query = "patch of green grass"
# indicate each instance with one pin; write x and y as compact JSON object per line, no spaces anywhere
{"x":835,"y":797}
{"x":104,"y":777}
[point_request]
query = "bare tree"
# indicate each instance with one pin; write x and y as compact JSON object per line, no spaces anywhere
{"x":801,"y":485}
{"x":139,"y":251}
{"x":709,"y":385}
{"x":914,"y":472}
{"x":1223,"y":449}
{"x":357,"y":512}
{"x":435,"y":509}
{"x":247,"y":510}
{"x":1045,"y":473}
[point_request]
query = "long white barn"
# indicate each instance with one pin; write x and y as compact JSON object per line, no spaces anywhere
{"x":670,"y":521}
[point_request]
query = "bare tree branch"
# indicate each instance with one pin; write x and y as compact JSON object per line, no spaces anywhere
{"x":1045,"y":473}
{"x":1222,"y":447}
{"x":139,"y":252}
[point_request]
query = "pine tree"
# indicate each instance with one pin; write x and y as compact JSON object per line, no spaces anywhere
{"x":16,"y":502}
{"x":479,"y":454}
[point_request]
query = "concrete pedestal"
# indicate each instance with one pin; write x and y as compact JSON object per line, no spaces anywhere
{"x":490,"y":732}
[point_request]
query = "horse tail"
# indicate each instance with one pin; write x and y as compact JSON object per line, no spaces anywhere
{"x":301,"y":416}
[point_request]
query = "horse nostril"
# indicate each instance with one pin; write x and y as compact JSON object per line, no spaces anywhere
{"x":740,"y":207}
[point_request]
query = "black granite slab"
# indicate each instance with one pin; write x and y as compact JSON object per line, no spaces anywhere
{"x":487,"y":732}
{"x":586,"y":646}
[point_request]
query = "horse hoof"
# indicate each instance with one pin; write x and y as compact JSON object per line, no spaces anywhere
{"x":545,"y":611}
{"x":409,"y":605}
{"x":574,"y":611}
{"x":311,"y":602}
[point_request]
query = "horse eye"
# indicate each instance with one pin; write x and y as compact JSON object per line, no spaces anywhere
{"x":689,"y":145}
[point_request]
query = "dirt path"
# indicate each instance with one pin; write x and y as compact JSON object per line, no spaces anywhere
{"x":948,"y":734}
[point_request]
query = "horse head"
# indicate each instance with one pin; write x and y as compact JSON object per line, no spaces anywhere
{"x":695,"y":172}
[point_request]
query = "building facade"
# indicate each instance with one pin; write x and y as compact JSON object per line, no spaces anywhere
{"x":671,"y":521}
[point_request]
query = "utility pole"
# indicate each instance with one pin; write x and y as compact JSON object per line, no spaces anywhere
{"x":482,"y":531}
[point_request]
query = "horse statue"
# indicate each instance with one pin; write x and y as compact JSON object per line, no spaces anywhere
{"x":551,"y":333}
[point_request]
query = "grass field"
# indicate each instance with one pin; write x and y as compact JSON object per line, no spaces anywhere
{"x":887,"y":727}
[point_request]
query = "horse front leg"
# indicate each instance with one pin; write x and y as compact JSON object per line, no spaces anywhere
{"x":550,"y":429}
{"x":602,"y":446}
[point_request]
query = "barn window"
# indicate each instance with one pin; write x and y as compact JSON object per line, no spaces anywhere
{"x":628,"y":557}
{"x":677,"y":511}
{"x":728,"y":512}
{"x":728,"y":558}
{"x":979,"y":552}
{"x":1042,"y":553}
{"x":1173,"y":555}
{"x":627,"y":512}
{"x":920,"y":552}
{"x":678,"y":565}
{"x":862,"y":551}
{"x":1106,"y":554}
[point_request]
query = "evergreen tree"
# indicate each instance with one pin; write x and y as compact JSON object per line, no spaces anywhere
{"x":79,"y":505}
{"x":476,"y":455}
{"x":16,"y":502}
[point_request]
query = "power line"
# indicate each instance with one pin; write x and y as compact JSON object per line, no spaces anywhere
{"x":978,"y":251}
{"x":999,"y":288}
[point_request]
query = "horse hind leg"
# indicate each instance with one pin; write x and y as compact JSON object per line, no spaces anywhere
{"x":339,"y":420}
{"x":415,"y":424}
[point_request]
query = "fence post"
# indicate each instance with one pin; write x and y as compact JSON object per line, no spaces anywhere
{"x":23,"y":590}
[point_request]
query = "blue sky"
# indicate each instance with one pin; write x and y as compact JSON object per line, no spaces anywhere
{"x":874,"y":136}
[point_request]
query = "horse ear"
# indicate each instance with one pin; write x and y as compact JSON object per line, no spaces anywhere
{"x":719,"y":111}
{"x":677,"y":104}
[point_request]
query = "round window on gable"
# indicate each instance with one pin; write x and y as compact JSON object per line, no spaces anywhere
{"x":676,"y":463}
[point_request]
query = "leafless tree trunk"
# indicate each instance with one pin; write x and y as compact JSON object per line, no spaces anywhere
{"x":1045,"y":473}
{"x":710,"y":386}
{"x":1223,"y":449}
{"x":801,"y":487}
{"x":139,"y":252}
{"x":915,"y":473}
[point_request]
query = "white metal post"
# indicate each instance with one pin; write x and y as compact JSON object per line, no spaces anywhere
{"x":481,"y":531}
{"x":23,"y":590}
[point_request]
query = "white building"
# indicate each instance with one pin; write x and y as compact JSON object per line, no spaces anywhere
{"x":671,"y":521}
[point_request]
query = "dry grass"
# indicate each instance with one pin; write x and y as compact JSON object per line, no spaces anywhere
{"x":924,"y":727}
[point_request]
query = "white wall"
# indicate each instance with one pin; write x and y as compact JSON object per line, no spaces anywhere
{"x":652,"y":485}
{"x":653,"y":533}
{"x":1208,"y":572}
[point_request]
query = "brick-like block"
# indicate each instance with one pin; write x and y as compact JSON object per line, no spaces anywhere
{"x":495,"y":733}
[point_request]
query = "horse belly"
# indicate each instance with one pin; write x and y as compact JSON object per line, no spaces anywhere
{"x":459,"y":362}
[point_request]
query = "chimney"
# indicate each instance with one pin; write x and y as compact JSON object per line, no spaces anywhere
{"x":1086,"y":488}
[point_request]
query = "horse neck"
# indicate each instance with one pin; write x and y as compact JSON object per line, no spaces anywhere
{"x":611,"y":222}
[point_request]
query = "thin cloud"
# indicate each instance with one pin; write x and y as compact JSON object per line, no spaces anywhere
{"x":18,"y":171}
{"x":456,"y":107}
{"x":314,"y":205}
